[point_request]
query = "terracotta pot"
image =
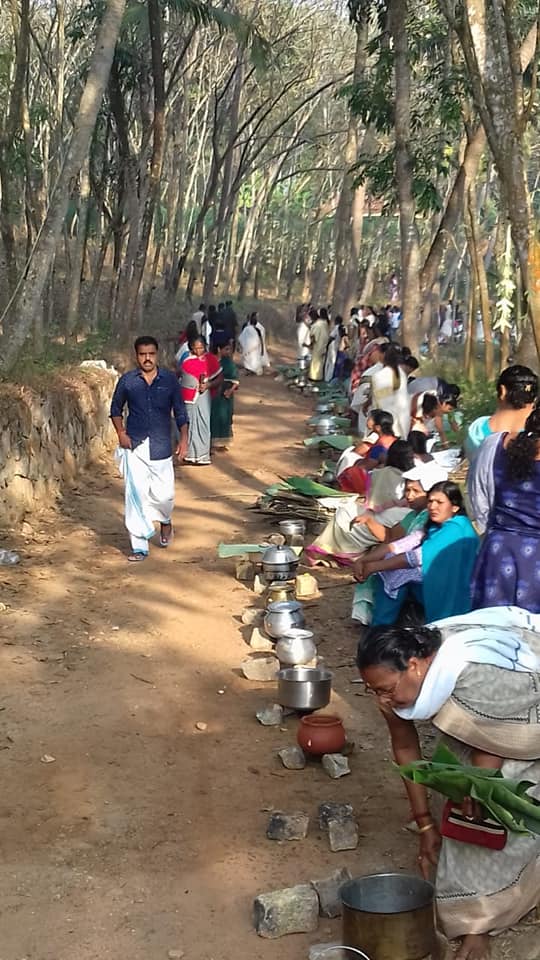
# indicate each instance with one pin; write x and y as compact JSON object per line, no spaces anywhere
{"x":321,"y":733}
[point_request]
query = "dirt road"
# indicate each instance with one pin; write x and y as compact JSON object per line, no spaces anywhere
{"x":145,"y":835}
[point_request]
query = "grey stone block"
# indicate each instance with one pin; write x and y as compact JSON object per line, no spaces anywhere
{"x":287,"y":826}
{"x":336,"y":765}
{"x":271,"y":715}
{"x":328,"y":892}
{"x":291,"y":910}
{"x":343,"y":835}
{"x":333,"y":811}
{"x":252,"y":615}
{"x":260,"y":668}
{"x":293,"y":758}
{"x":244,"y":569}
{"x":258,"y":641}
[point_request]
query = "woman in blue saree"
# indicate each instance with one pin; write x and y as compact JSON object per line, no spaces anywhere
{"x":436,"y":572}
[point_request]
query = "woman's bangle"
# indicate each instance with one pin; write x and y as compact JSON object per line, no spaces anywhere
{"x":428,"y":826}
{"x":422,"y":815}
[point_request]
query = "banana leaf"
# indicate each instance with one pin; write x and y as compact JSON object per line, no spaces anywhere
{"x":335,"y":440}
{"x":505,"y":800}
{"x":310,"y":488}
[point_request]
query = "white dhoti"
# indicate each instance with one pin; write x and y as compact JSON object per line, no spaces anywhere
{"x":148,"y":495}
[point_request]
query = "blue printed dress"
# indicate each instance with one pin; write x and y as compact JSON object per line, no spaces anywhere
{"x":507,"y":570}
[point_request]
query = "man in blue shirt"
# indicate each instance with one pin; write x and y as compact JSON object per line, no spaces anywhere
{"x":145,"y":448}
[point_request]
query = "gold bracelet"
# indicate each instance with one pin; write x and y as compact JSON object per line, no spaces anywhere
{"x":428,"y":826}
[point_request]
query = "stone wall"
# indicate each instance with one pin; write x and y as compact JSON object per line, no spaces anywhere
{"x":49,"y":433}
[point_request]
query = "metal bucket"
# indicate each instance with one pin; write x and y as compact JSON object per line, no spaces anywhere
{"x":389,"y":916}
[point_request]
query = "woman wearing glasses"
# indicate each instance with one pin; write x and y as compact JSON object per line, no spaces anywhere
{"x":476,"y":677}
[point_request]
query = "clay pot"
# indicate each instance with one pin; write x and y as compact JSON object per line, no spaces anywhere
{"x":321,"y":733}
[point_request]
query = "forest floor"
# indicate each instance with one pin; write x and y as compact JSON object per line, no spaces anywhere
{"x":145,"y":835}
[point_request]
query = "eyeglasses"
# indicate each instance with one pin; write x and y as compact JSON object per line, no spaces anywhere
{"x":383,"y":694}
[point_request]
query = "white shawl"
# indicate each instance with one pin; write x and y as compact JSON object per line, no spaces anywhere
{"x":494,"y":636}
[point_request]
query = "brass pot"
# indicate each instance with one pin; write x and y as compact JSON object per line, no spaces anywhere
{"x":279,"y":592}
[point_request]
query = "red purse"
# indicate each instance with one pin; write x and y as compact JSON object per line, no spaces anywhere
{"x":482,"y":833}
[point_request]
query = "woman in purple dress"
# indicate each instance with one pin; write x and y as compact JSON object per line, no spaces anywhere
{"x":507,"y":571}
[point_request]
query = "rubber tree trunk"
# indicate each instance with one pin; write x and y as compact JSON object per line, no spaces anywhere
{"x":216,"y":248}
{"x":31,"y":295}
{"x":350,"y":208}
{"x":74,"y":296}
{"x":410,"y":240}
{"x":158,"y":148}
{"x":494,"y":63}
{"x":9,"y":130}
{"x":480,"y":279}
{"x":455,"y":204}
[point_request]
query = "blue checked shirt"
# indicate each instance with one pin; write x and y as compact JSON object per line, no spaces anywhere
{"x":149,"y":409}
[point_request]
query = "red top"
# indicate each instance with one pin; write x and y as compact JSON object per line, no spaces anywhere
{"x":193,"y":368}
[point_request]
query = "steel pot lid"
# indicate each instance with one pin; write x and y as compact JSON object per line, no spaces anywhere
{"x":279,"y":555}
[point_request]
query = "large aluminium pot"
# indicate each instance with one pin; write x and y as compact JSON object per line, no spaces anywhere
{"x":282,"y":617}
{"x":279,"y":563}
{"x":389,"y":915}
{"x":304,"y":688}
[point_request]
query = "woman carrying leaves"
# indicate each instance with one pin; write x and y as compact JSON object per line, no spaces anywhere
{"x":477,"y":678}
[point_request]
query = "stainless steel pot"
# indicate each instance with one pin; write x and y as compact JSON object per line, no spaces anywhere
{"x":304,"y":688}
{"x":326,"y":426}
{"x":279,"y":563}
{"x":288,"y":527}
{"x":282,"y":617}
{"x":296,"y":648}
{"x":293,"y":531}
{"x":303,"y":363}
{"x":325,"y":406}
{"x":389,"y":915}
{"x":327,"y":477}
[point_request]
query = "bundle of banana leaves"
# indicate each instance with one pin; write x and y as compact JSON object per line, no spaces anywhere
{"x":505,"y":800}
{"x":335,"y":440}
{"x":297,"y":497}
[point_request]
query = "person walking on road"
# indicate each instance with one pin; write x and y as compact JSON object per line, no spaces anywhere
{"x":144,"y":452}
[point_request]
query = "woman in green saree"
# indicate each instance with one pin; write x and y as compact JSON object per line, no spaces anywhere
{"x":221,"y":423}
